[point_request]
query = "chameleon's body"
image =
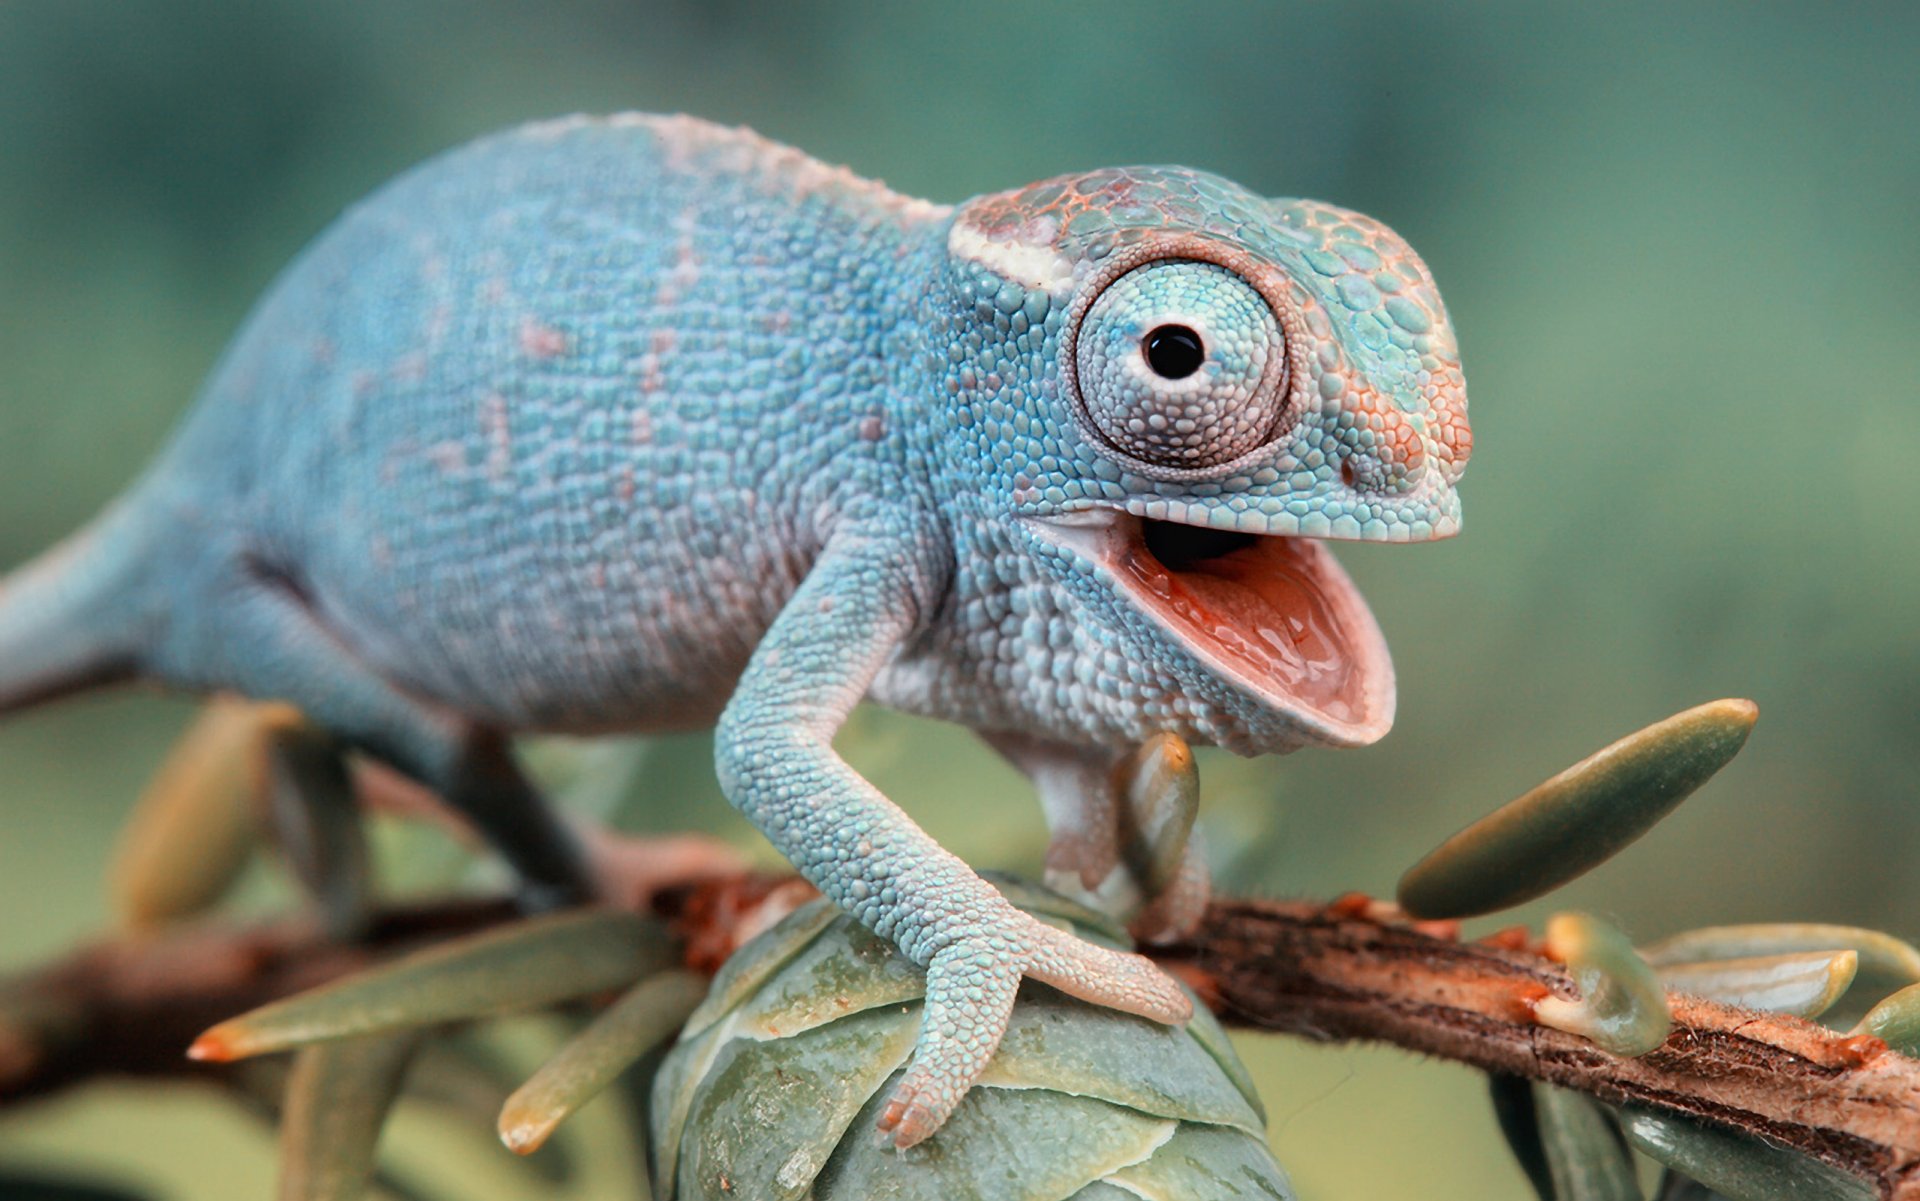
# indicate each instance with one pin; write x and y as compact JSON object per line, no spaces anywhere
{"x":640,"y":423}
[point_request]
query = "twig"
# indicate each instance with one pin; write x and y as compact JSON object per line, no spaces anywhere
{"x":130,"y":1006}
{"x":1326,"y":972}
{"x":1331,"y":975}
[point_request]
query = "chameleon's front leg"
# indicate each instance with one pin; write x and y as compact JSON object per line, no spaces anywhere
{"x":776,"y":762}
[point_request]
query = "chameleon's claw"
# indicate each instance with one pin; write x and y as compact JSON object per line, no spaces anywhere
{"x":910,"y":1117}
{"x":970,"y":990}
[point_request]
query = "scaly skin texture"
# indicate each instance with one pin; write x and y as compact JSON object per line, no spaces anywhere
{"x":638,"y":423}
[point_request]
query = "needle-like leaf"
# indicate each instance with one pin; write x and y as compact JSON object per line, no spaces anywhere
{"x":315,"y":819}
{"x":1886,"y":962}
{"x":1586,"y":1155}
{"x":532,"y":963}
{"x":1741,"y":1168}
{"x":1162,"y":789}
{"x":336,"y":1104}
{"x":193,"y":829}
{"x":1575,"y":821}
{"x":1519,"y":1122}
{"x":628,"y":1029}
{"x":1804,"y":985}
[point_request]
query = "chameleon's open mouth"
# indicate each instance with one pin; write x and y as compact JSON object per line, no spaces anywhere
{"x":1275,"y":616}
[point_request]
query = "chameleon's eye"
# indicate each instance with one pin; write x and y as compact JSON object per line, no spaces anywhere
{"x":1182,"y":364}
{"x":1174,"y":351}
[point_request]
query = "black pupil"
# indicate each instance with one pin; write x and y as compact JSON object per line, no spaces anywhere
{"x":1174,"y":351}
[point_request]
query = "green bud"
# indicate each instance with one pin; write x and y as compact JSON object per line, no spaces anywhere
{"x":1622,"y":1006}
{"x":775,"y":1089}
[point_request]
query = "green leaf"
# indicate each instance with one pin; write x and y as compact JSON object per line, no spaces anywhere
{"x":193,"y":829}
{"x":1206,"y":1030}
{"x":1586,"y":1156}
{"x":675,"y":1087}
{"x":626,"y":1030}
{"x":1622,"y":1006}
{"x":315,"y":818}
{"x":771,"y":1113}
{"x":750,"y":966}
{"x":1741,"y":1168}
{"x":1161,"y":785}
{"x":1055,"y":1042}
{"x":1896,"y":1021}
{"x":1519,"y":1122}
{"x":526,"y":965}
{"x":778,"y":1098}
{"x":1000,"y":1144}
{"x":337,"y":1102}
{"x":1577,"y":820}
{"x":828,"y":979}
{"x":1675,"y":1187}
{"x":1207,"y":1161}
{"x":1886,"y":962}
{"x":1804,"y":984}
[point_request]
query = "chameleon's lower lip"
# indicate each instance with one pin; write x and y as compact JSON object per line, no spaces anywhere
{"x":1275,"y":616}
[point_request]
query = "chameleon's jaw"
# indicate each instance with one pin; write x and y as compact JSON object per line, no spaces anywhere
{"x":1275,"y":617}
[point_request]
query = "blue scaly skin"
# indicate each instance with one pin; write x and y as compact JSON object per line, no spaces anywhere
{"x":640,"y":423}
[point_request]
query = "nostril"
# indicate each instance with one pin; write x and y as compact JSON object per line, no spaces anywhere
{"x":1346,"y":472}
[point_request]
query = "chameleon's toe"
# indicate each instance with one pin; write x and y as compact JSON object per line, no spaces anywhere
{"x":1116,"y":979}
{"x":918,"y":1107}
{"x":970,"y":990}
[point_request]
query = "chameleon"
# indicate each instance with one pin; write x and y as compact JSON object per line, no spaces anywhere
{"x":638,"y":423}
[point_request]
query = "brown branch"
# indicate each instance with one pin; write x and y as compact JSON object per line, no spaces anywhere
{"x":1326,"y":972}
{"x":130,"y":1007}
{"x":1330,"y":974}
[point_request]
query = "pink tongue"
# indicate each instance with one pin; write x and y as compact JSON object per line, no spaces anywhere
{"x":1264,"y":606}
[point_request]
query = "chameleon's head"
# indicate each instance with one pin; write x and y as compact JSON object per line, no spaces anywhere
{"x":1172,"y":388}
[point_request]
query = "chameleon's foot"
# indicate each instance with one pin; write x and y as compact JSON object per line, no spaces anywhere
{"x":629,"y":872}
{"x":970,"y":990}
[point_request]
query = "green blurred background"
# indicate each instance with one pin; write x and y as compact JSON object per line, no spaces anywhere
{"x":1681,"y":245}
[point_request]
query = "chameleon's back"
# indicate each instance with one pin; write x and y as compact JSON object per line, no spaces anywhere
{"x":546,"y":428}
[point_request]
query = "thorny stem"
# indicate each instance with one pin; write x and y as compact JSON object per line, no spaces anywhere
{"x":1328,"y":972}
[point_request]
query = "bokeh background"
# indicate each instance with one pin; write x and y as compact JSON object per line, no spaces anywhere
{"x":1680,"y":243}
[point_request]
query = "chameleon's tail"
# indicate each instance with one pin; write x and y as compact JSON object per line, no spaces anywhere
{"x":67,"y":619}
